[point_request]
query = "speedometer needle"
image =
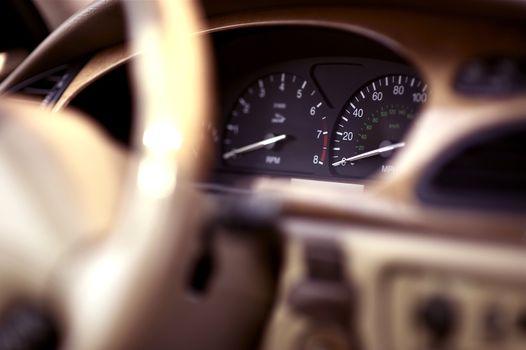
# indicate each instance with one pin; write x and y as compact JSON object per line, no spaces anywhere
{"x":254,"y":146}
{"x":372,"y":153}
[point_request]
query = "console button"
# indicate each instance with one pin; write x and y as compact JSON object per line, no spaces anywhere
{"x":438,"y":317}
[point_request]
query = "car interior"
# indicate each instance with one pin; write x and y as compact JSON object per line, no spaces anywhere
{"x":265,"y":174}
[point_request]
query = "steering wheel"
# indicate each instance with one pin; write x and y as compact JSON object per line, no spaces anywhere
{"x":88,"y":230}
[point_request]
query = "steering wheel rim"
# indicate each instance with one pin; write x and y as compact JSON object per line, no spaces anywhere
{"x":101,"y":273}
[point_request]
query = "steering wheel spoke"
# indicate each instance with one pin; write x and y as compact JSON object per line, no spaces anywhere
{"x":49,"y":200}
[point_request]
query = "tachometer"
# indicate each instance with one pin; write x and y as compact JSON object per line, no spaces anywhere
{"x":373,"y":123}
{"x":278,"y":124}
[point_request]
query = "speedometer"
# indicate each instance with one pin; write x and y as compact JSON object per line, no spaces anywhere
{"x":373,"y":123}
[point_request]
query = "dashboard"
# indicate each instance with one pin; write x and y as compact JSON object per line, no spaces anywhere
{"x":348,"y":98}
{"x":335,"y":109}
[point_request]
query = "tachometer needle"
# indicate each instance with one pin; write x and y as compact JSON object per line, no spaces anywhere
{"x":368,"y":154}
{"x":254,"y":146}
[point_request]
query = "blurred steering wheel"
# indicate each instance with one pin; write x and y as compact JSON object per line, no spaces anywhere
{"x":89,"y":231}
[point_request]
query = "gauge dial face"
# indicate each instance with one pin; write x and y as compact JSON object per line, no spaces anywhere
{"x":279,"y":123}
{"x":372,"y":125}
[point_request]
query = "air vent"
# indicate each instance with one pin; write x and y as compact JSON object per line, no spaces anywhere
{"x":487,"y":171}
{"x":492,"y":76}
{"x":47,"y":87}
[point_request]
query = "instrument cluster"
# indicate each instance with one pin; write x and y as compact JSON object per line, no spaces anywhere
{"x":336,"y":118}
